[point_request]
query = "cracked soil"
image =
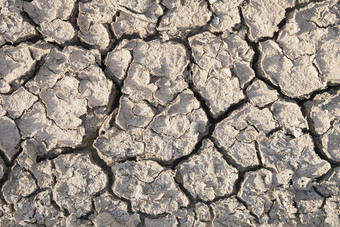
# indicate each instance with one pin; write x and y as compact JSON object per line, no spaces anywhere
{"x":165,"y":113}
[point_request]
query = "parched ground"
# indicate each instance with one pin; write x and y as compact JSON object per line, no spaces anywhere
{"x":169,"y":113}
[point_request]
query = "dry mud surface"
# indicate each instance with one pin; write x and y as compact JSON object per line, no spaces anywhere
{"x":168,"y":113}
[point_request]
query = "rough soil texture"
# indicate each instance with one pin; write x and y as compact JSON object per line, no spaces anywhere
{"x":165,"y":113}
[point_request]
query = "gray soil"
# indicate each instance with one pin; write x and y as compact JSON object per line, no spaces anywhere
{"x":166,"y":113}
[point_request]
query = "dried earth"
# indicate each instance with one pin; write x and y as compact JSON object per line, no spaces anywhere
{"x":169,"y":113}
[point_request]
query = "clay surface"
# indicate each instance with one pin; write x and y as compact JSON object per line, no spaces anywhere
{"x":167,"y":113}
